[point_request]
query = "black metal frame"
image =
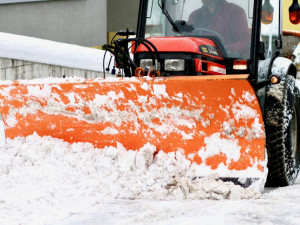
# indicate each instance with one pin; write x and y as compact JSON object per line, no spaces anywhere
{"x":255,"y":40}
{"x":141,"y":25}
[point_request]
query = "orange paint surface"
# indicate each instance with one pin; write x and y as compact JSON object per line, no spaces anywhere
{"x":177,"y":113}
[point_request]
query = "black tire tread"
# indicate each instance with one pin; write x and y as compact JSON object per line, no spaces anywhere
{"x":283,"y":168}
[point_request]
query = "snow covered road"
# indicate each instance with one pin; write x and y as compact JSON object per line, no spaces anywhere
{"x":45,"y":181}
{"x":280,"y":206}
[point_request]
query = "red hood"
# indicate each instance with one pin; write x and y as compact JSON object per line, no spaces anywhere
{"x":179,"y":44}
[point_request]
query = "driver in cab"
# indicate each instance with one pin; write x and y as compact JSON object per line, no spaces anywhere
{"x":227,"y":19}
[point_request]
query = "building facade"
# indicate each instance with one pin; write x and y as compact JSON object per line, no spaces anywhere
{"x":81,"y":22}
{"x":122,"y":14}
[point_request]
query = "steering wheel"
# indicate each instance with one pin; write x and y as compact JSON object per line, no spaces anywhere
{"x":205,"y":31}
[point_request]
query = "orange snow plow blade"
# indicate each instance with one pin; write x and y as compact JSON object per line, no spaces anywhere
{"x":215,"y":121}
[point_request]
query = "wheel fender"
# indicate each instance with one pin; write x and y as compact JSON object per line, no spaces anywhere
{"x":282,"y":67}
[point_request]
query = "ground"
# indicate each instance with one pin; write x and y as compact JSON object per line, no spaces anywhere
{"x":276,"y":206}
{"x":46,"y":181}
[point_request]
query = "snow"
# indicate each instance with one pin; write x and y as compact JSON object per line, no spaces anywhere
{"x":216,"y":145}
{"x":44,"y":179}
{"x":267,"y":210}
{"x":48,"y":181}
{"x":243,"y":111}
{"x":50,"y":52}
{"x":276,"y":91}
{"x":160,"y":90}
{"x":280,"y":66}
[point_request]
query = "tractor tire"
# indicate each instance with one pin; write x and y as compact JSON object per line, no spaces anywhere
{"x":282,"y":125}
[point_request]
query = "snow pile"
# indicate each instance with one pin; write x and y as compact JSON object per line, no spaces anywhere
{"x":46,"y":179}
{"x":51,"y":52}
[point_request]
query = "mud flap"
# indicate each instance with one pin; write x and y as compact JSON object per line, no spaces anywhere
{"x":214,"y":121}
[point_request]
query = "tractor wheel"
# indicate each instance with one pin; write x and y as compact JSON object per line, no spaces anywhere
{"x":282,"y":125}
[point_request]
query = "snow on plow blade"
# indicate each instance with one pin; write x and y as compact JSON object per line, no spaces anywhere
{"x":215,"y":121}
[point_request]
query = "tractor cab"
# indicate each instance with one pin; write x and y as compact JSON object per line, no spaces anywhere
{"x":209,"y":37}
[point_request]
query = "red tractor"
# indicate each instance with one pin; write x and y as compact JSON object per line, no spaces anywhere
{"x":216,"y":39}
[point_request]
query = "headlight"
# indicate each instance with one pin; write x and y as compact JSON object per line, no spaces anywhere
{"x":174,"y":65}
{"x":148,"y":63}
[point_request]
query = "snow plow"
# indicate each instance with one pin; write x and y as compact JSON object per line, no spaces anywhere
{"x":201,"y":82}
{"x":172,"y":113}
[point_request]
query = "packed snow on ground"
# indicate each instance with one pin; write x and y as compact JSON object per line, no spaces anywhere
{"x":48,"y":181}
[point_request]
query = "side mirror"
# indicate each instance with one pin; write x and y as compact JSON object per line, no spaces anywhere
{"x":294,"y":12}
{"x":261,"y":51}
{"x":267,"y":13}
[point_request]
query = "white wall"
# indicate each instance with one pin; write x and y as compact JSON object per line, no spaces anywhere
{"x":13,"y":69}
{"x":81,"y":22}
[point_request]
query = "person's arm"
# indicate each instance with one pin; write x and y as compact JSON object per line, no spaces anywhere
{"x":241,"y":37}
{"x":193,"y":17}
{"x":199,"y":17}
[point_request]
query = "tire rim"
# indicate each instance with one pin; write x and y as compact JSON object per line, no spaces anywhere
{"x":294,"y":133}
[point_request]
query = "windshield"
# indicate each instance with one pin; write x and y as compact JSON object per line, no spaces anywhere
{"x":229,"y":22}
